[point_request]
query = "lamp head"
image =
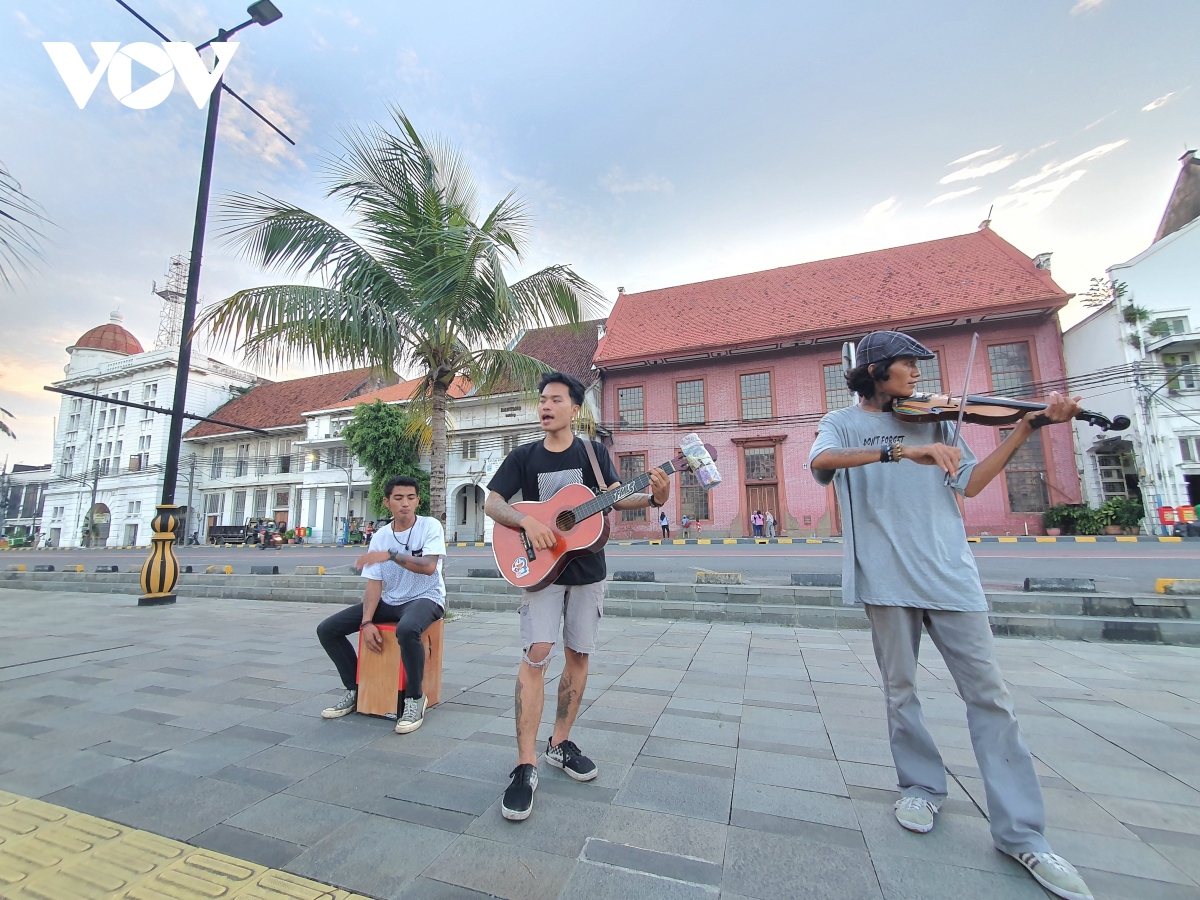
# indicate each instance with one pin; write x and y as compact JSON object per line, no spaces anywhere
{"x":264,"y":12}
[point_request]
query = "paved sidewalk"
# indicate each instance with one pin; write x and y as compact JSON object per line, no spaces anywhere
{"x":739,"y":761}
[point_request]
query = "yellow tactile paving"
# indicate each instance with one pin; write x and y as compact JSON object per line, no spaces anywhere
{"x":51,"y":853}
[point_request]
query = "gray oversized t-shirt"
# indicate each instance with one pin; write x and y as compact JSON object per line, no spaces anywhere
{"x":900,"y":519}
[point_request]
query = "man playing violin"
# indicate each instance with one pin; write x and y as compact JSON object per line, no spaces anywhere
{"x":906,"y":558}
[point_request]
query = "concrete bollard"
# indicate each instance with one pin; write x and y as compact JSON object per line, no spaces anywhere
{"x":15,"y":567}
{"x":1061,"y":585}
{"x":264,"y":570}
{"x":633,"y":576}
{"x":1179,"y":586}
{"x":219,"y":570}
{"x":310,"y":570}
{"x":816,"y":580}
{"x":72,"y":568}
{"x":108,"y":568}
{"x":43,"y":568}
{"x":483,"y":573}
{"x":718,"y":578}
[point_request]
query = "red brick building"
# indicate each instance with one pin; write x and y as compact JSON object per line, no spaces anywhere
{"x":752,"y":362}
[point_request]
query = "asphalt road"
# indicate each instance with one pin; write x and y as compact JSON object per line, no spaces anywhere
{"x":1117,"y":568}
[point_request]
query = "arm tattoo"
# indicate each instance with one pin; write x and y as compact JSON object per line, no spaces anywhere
{"x":497,"y":507}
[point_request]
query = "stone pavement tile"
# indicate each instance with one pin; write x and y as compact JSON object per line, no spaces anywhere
{"x":879,"y":777}
{"x":765,"y":734}
{"x":652,"y":703}
{"x":256,"y":848}
{"x":292,"y":761}
{"x":705,"y":731}
{"x":803,"y":773}
{"x":419,"y":743}
{"x":257,"y":778}
{"x":608,"y":746}
{"x":473,"y":759}
{"x":1110,"y":886}
{"x":1184,"y":858}
{"x":642,"y":676}
{"x":690,"y":751}
{"x":208,"y":754}
{"x":1108,"y":854}
{"x":92,"y":803}
{"x":463,"y":795}
{"x":351,"y":782}
{"x":964,"y":839}
{"x":293,"y":819}
{"x":905,"y":878}
{"x":779,"y":867}
{"x":558,"y":824}
{"x":341,"y":736}
{"x":453,"y":723}
{"x":700,"y":691}
{"x":190,"y":809}
{"x":677,"y":793}
{"x":1140,"y":783}
{"x":849,"y":838}
{"x":55,"y":770}
{"x":871,"y":752}
{"x":617,"y":715}
{"x":590,"y":881}
{"x":664,"y":833}
{"x":372,"y":855}
{"x":514,"y":873}
{"x":429,"y":889}
{"x":810,"y":806}
{"x":1166,"y":816}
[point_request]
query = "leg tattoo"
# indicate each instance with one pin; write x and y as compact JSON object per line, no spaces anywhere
{"x":566,"y":694}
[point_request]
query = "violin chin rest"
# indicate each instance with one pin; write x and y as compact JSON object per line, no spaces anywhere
{"x":1119,"y":423}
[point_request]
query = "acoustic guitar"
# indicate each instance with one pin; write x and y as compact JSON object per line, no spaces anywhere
{"x":576,"y":517}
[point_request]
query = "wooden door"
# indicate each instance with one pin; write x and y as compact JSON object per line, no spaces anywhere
{"x":762,"y":497}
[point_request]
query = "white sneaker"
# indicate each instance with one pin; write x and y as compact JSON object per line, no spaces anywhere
{"x":1055,"y":874}
{"x":345,"y":706}
{"x":915,"y":814}
{"x":414,"y":715}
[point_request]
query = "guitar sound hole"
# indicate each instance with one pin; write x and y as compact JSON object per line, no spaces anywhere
{"x":565,"y":520}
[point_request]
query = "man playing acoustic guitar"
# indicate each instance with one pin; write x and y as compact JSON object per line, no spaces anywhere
{"x":906,"y":558}
{"x":575,"y":602}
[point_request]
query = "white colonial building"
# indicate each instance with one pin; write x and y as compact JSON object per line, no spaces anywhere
{"x":22,"y":493}
{"x":107,"y":462}
{"x":1140,"y":356}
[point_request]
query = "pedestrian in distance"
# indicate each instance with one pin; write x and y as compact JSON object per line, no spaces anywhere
{"x":403,"y":568}
{"x":906,"y":558}
{"x":770,"y":524}
{"x":665,"y":524}
{"x":686,"y":524}
{"x":756,"y":521}
{"x":571,"y":608}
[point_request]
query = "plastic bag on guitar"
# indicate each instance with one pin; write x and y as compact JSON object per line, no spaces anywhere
{"x":700,"y":462}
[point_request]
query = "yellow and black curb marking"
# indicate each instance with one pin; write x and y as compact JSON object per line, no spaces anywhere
{"x":51,"y":853}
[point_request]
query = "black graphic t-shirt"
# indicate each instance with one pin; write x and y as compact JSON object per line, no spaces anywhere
{"x":537,"y":474}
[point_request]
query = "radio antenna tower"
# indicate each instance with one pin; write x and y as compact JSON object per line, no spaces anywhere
{"x":170,"y":313}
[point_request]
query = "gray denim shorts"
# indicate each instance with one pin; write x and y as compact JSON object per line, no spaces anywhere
{"x":575,"y":609}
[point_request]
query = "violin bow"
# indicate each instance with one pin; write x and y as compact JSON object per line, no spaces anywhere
{"x":962,"y":403}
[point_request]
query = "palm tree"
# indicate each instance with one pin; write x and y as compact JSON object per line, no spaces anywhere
{"x":19,"y":235}
{"x":420,"y":285}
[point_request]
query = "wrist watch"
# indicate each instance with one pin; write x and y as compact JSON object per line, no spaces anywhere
{"x":654,"y":502}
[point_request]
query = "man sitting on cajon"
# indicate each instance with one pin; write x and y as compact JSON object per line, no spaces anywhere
{"x":404,"y":570}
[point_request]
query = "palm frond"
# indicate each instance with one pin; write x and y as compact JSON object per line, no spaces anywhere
{"x":556,"y":295}
{"x":4,"y":429}
{"x":500,"y":371}
{"x":20,"y":237}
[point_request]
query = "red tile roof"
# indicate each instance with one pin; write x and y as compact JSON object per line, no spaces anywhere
{"x":933,"y":281}
{"x":282,"y":403}
{"x":564,"y":348}
{"x":404,"y":391}
{"x":111,"y":337}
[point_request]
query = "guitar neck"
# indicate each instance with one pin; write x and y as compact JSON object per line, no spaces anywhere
{"x":608,"y":499}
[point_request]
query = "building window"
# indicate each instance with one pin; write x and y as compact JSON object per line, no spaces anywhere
{"x":756,"y":396}
{"x":239,"y":507}
{"x":1166,"y":327}
{"x":242,"y":467}
{"x":837,"y":395}
{"x":629,"y":467}
{"x":760,"y":464}
{"x":689,"y":402}
{"x":1180,"y":372}
{"x":218,"y":462}
{"x":339,"y":458}
{"x":285,"y":457}
{"x":630,"y":413}
{"x":1012,"y":371}
{"x":470,"y":448}
{"x":135,"y":508}
{"x":1026,"y":476}
{"x":264,"y":457}
{"x":260,"y":504}
{"x":281,"y":499}
{"x":149,"y":398}
{"x":1188,"y":447}
{"x":68,"y":461}
{"x":509,"y":443}
{"x":693,"y":498}
{"x":930,"y":381}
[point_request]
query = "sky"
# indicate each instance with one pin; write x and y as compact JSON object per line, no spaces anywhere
{"x":654,"y":143}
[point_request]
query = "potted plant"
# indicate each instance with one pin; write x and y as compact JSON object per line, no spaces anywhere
{"x":1055,"y":518}
{"x":1128,"y":513}
{"x":1087,"y":520}
{"x":290,"y":534}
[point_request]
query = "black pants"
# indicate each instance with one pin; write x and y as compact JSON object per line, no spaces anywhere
{"x":411,"y":618}
{"x":666,"y":531}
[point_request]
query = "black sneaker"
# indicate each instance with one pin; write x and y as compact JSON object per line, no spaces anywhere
{"x":518,"y":797}
{"x":567,"y":757}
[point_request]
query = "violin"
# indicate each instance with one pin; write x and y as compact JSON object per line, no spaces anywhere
{"x":987,"y":411}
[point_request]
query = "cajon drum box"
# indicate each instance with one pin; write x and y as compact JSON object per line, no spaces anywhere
{"x":381,"y":675}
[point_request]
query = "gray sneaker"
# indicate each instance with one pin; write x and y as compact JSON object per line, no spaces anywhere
{"x":345,"y":706}
{"x":1055,"y":874}
{"x":915,"y":814}
{"x":414,"y":715}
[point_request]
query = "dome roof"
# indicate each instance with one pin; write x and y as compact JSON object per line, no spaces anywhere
{"x":111,"y":337}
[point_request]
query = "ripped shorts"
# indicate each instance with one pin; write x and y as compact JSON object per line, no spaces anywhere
{"x":574,"y":610}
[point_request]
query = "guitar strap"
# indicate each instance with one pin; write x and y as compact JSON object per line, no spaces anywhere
{"x":591,"y":454}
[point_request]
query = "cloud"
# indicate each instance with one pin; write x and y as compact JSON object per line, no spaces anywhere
{"x":979,"y":171}
{"x":975,"y":155}
{"x":1101,"y":119}
{"x":951,"y":195}
{"x":245,"y":133}
{"x":1056,"y":169}
{"x":1161,"y":101}
{"x":615,"y":181}
{"x":410,"y":69}
{"x":1040,"y":197}
{"x":881,"y":212}
{"x":31,"y":31}
{"x":1082,"y":6}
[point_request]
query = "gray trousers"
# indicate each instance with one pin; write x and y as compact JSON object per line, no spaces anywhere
{"x":1014,"y":796}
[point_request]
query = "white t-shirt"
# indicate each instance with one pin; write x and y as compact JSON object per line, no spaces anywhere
{"x":400,"y":584}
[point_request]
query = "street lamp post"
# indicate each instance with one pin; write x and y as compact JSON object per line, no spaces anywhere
{"x":160,"y":572}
